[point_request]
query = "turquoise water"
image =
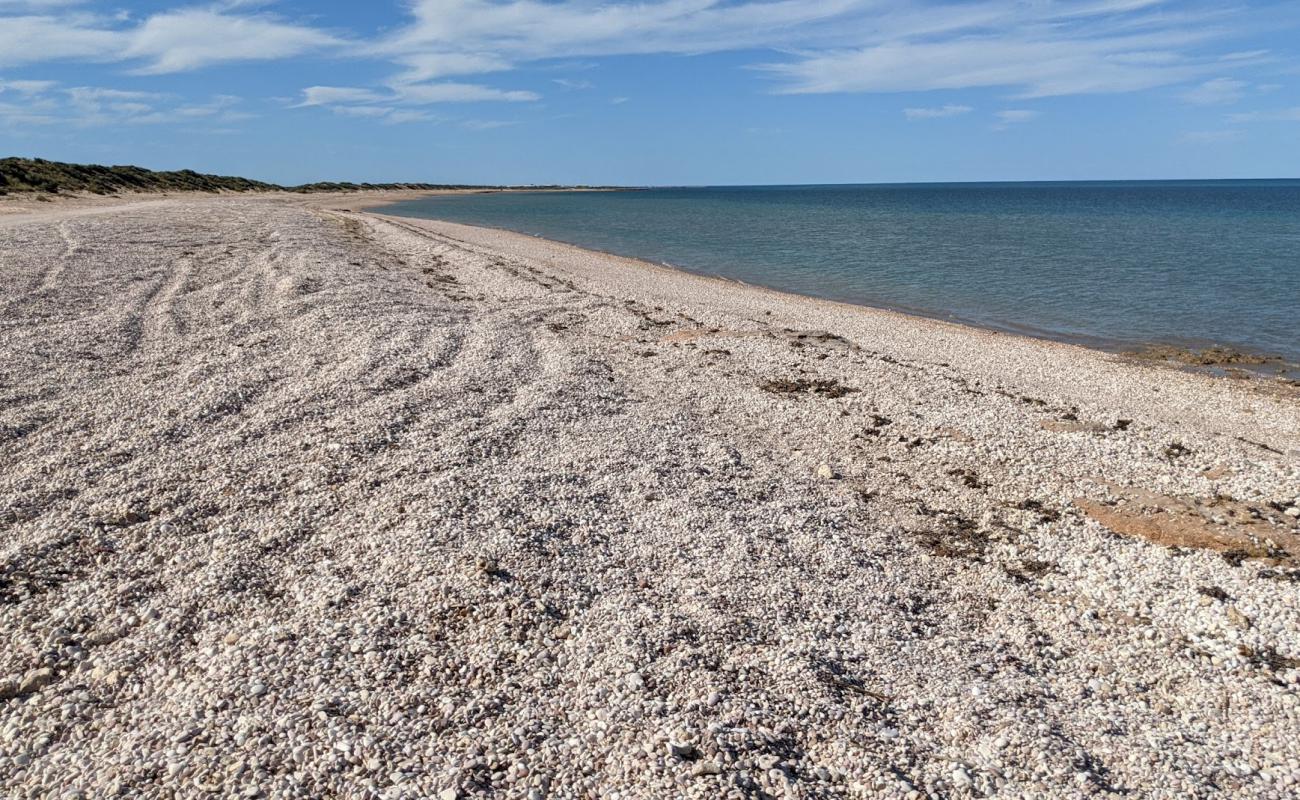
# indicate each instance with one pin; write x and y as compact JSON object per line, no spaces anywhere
{"x":1110,"y":264}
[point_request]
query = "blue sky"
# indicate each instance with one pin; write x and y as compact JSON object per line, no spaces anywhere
{"x":658,"y":91}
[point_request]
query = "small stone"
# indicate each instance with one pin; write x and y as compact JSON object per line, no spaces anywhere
{"x":825,"y":472}
{"x":1237,"y":618}
{"x":487,"y":566}
{"x":706,"y":768}
{"x":35,"y":680}
{"x":1293,"y":511}
{"x":449,"y":794}
{"x":961,"y":777}
{"x":681,"y":749}
{"x":256,"y":689}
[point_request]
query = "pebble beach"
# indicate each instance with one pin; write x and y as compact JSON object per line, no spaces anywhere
{"x":298,"y":500}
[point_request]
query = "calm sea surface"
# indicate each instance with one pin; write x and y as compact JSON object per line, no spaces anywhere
{"x":1109,"y":264}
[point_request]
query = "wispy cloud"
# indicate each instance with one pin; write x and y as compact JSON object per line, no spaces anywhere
{"x":46,"y":103}
{"x":487,"y":124}
{"x":936,"y":113}
{"x":1014,"y":116}
{"x":26,"y":87}
{"x":448,"y":92}
{"x":170,"y":41}
{"x":1219,"y":91}
{"x":333,"y":95}
{"x":442,"y":49}
{"x":428,"y":66}
{"x":361,"y":111}
{"x":573,"y":85}
{"x":385,"y":114}
{"x":526,"y":30}
{"x":1034,"y":49}
{"x":362,"y":102}
{"x":1036,"y":64}
{"x":190,"y":38}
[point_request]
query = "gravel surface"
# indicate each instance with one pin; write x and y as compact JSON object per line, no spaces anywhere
{"x":299,"y":502}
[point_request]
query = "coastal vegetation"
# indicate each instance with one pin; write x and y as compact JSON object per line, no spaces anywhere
{"x":20,"y":175}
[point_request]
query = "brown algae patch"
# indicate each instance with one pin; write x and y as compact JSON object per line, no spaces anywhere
{"x":1214,"y":356}
{"x":796,"y":386}
{"x":1221,"y":361}
{"x":1221,"y":524}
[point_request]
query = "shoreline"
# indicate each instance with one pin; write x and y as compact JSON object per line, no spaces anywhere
{"x":1236,"y":362}
{"x":916,"y":336}
{"x":39,"y":202}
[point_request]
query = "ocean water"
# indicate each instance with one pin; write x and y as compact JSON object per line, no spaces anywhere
{"x":1113,"y":264}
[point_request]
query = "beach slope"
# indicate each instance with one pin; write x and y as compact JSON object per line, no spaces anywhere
{"x":302,"y":501}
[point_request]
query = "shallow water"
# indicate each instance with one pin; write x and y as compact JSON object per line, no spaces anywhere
{"x":1111,"y":264}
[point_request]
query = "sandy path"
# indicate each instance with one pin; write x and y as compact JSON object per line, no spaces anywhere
{"x":298,"y":503}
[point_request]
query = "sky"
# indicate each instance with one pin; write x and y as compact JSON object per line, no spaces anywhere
{"x":658,"y":92}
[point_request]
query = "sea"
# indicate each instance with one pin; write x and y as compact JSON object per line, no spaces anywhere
{"x":1117,"y":265}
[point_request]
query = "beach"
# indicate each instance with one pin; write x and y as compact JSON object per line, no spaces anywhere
{"x":300,"y":500}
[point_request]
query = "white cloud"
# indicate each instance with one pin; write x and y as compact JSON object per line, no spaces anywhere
{"x":411,"y":94}
{"x":423,"y":93}
{"x":1032,"y":68}
{"x":27,"y":87}
{"x":29,"y":39}
{"x":936,"y":113}
{"x":1035,"y":49}
{"x":192,"y":38}
{"x":94,"y":102}
{"x":1041,"y":48}
{"x":330,"y":95}
{"x":387,"y":106}
{"x":399,"y":117}
{"x":1219,"y":91}
{"x":171,"y":41}
{"x":219,"y":110}
{"x":1244,"y":55}
{"x":1016,"y":115}
{"x":487,"y":124}
{"x":573,"y":85}
{"x":1030,"y":48}
{"x":362,"y":111}
{"x":427,"y":66}
{"x":385,"y":114}
{"x":95,"y":106}
{"x":530,"y":29}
